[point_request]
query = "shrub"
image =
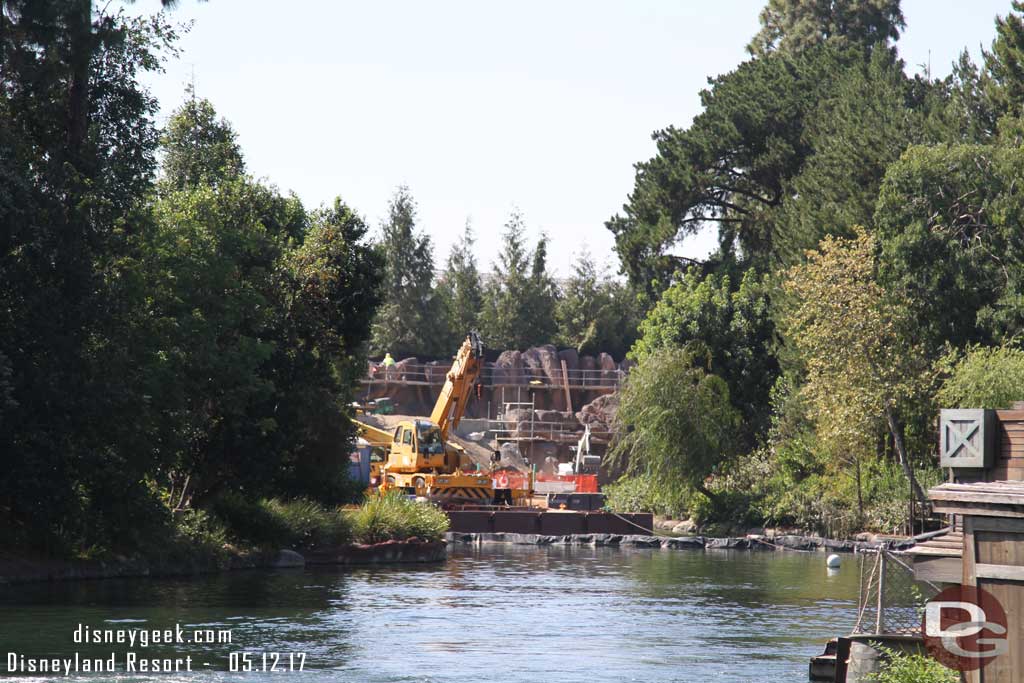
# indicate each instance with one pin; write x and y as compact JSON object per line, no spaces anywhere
{"x":887,"y":492}
{"x":395,"y":517}
{"x":195,"y":538}
{"x":902,"y":667}
{"x":644,"y":494}
{"x":983,"y":377}
{"x":298,"y":523}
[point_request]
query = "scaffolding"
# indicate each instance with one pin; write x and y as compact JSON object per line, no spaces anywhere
{"x":516,"y":421}
{"x":427,"y":374}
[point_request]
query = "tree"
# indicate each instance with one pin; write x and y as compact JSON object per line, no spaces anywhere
{"x":330,"y":294}
{"x":410,"y":320}
{"x":675,"y":421}
{"x":1005,"y":63}
{"x":730,"y":169}
{"x":864,"y":369}
{"x":199,"y":148}
{"x":595,"y":313}
{"x":461,"y":290}
{"x":519,"y":296}
{"x":948,"y":222}
{"x":870,"y":116}
{"x":209,"y":267}
{"x":542,"y":296}
{"x":732,"y":324}
{"x":982,"y":377}
{"x":77,"y":155}
{"x":797,"y":25}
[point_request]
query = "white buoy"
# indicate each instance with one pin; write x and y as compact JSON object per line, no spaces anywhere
{"x":833,"y":561}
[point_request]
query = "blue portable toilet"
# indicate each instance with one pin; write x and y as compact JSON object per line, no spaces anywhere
{"x":359,"y":462}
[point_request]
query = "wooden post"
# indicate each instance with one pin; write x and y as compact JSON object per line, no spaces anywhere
{"x":879,"y":623}
{"x":565,"y":384}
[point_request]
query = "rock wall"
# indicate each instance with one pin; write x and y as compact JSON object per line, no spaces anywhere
{"x":508,"y":380}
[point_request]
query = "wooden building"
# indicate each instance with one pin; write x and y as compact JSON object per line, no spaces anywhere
{"x":992,"y":515}
{"x":984,"y":544}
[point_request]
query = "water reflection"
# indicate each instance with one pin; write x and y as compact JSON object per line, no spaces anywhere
{"x":509,"y":613}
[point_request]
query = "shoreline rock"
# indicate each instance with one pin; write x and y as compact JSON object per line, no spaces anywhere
{"x":16,"y":569}
{"x":752,"y":543}
{"x":412,"y":551}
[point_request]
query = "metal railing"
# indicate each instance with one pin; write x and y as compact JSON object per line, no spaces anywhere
{"x":431,"y":374}
{"x":528,"y":428}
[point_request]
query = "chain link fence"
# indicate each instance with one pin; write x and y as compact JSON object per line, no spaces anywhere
{"x":891,"y":600}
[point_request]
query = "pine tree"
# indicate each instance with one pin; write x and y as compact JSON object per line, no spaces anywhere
{"x":795,"y":25}
{"x":410,"y":321}
{"x":460,"y":289}
{"x":199,"y":148}
{"x":594,"y":312}
{"x":1005,"y":64}
{"x":520,"y":295}
{"x":543,"y":297}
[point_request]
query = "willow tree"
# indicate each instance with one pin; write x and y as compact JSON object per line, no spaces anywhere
{"x":675,"y":422}
{"x":864,"y":369}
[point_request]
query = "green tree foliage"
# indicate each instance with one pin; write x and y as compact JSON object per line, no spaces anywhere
{"x":870,"y":116}
{"x":797,"y":25}
{"x":214,"y":317}
{"x":411,"y":319}
{"x":966,"y":113}
{"x":730,"y":168}
{"x":982,"y":377}
{"x":864,"y":369}
{"x":1005,"y":62}
{"x":257,"y":338}
{"x":461,"y":290}
{"x":542,"y":295}
{"x":595,"y":313}
{"x":731,"y":323}
{"x":821,"y":132}
{"x":329,"y":294}
{"x":948,"y":221}
{"x":520,"y":295}
{"x":675,"y":421}
{"x":199,"y":148}
{"x":158,"y":348}
{"x":77,"y":151}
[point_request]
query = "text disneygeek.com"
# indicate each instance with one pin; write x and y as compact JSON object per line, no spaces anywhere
{"x":133,"y":661}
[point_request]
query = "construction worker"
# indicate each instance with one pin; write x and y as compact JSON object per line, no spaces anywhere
{"x":388,"y":362}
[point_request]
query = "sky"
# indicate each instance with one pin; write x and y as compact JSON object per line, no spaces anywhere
{"x":483,"y":107}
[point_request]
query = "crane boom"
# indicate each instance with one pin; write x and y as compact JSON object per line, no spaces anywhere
{"x":458,"y":385}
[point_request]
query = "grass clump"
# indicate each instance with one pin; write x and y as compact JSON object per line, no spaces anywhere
{"x":394,"y":517}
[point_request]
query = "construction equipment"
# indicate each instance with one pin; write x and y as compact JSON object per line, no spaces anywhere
{"x":420,"y":458}
{"x":584,"y":462}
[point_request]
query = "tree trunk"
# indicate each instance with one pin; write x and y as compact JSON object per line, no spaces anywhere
{"x":901,"y":453}
{"x":80,"y":43}
{"x":701,"y":488}
{"x":860,"y":495}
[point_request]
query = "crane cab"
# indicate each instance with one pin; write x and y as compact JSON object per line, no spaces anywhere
{"x":418,"y":446}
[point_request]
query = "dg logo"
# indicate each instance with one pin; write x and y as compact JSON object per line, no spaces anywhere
{"x":964,"y":628}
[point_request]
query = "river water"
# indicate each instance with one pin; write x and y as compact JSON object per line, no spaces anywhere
{"x":497,"y":613}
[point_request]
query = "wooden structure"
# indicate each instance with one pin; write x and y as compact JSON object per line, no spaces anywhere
{"x":992,"y":514}
{"x":979,"y":446}
{"x":1005,"y":459}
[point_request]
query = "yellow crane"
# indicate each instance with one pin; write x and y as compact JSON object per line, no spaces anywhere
{"x":420,"y":458}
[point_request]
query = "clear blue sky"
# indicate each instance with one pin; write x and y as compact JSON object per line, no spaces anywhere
{"x":478,"y":106}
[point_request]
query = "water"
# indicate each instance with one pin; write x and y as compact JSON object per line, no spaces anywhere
{"x":498,"y":613}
